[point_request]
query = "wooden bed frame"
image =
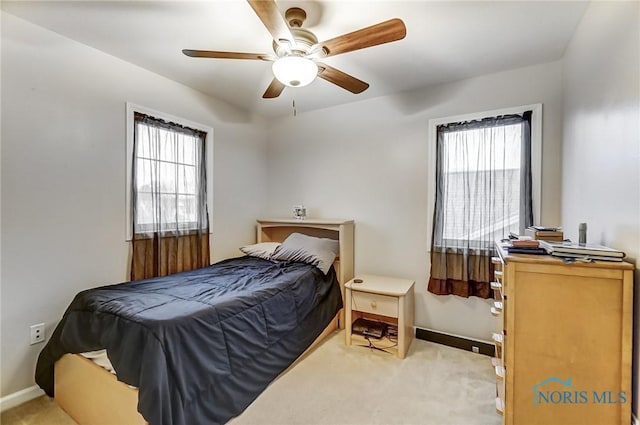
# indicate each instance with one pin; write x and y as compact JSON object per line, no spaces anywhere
{"x":93,"y":396}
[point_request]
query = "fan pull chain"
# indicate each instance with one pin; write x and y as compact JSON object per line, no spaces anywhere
{"x":294,"y":108}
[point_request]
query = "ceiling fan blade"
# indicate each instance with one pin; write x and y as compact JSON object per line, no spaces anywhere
{"x":274,"y":89}
{"x":272,"y":19}
{"x":384,"y":32}
{"x":226,"y":55}
{"x":341,"y":79}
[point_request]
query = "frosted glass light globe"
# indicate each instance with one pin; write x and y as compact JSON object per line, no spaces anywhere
{"x":295,"y":71}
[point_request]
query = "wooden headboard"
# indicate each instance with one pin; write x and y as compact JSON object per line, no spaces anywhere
{"x":277,"y":230}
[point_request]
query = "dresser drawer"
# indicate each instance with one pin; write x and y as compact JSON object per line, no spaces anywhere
{"x":374,"y":303}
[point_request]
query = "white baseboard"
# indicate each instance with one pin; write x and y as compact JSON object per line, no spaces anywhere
{"x":634,"y":420}
{"x":19,"y":397}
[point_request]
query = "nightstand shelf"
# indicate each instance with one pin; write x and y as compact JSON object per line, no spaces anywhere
{"x":385,"y":299}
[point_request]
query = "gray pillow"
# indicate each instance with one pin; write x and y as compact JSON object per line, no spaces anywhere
{"x":261,"y":250}
{"x":319,"y":252}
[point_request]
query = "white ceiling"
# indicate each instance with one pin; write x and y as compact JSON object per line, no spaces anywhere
{"x":446,"y":41}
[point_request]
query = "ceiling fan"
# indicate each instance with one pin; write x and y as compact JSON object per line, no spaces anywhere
{"x":296,"y":50}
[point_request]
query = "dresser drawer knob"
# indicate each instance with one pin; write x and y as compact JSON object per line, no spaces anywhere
{"x":373,"y":304}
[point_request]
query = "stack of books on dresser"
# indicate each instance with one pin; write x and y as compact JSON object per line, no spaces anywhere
{"x":525,"y":246}
{"x":568,"y":249}
{"x":544,"y":233}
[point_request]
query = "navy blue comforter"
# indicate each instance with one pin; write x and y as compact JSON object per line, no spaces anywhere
{"x":199,"y":345}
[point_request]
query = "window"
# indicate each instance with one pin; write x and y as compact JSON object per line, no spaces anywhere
{"x":481,"y":173}
{"x":167,"y":174}
{"x":481,"y":163}
{"x":169,"y":166}
{"x":483,"y":188}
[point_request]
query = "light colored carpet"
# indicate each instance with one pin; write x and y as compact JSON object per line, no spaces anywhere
{"x":335,"y":384}
{"x":39,"y":411}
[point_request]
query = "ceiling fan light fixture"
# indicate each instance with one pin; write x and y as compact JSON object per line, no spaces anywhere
{"x":295,"y":71}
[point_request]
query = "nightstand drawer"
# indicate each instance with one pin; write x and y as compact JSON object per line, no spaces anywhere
{"x":374,"y":303}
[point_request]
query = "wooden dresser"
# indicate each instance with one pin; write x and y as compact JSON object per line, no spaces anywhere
{"x":563,"y":340}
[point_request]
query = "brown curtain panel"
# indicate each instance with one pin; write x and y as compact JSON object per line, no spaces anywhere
{"x":169,"y":199}
{"x":461,"y":275}
{"x":161,"y":256}
{"x":483,"y":193}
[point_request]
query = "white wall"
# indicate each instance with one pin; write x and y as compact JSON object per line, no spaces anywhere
{"x":368,"y":161}
{"x":63,"y":177}
{"x":601,"y":148}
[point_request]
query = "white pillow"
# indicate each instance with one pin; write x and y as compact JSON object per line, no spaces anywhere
{"x":319,"y":252}
{"x":261,"y":250}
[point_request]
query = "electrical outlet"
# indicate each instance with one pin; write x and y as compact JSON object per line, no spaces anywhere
{"x":37,"y":333}
{"x":475,"y":349}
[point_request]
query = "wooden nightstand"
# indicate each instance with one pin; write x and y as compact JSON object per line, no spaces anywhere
{"x":385,"y":299}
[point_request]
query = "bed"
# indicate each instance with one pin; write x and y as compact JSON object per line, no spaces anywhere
{"x":185,"y":353}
